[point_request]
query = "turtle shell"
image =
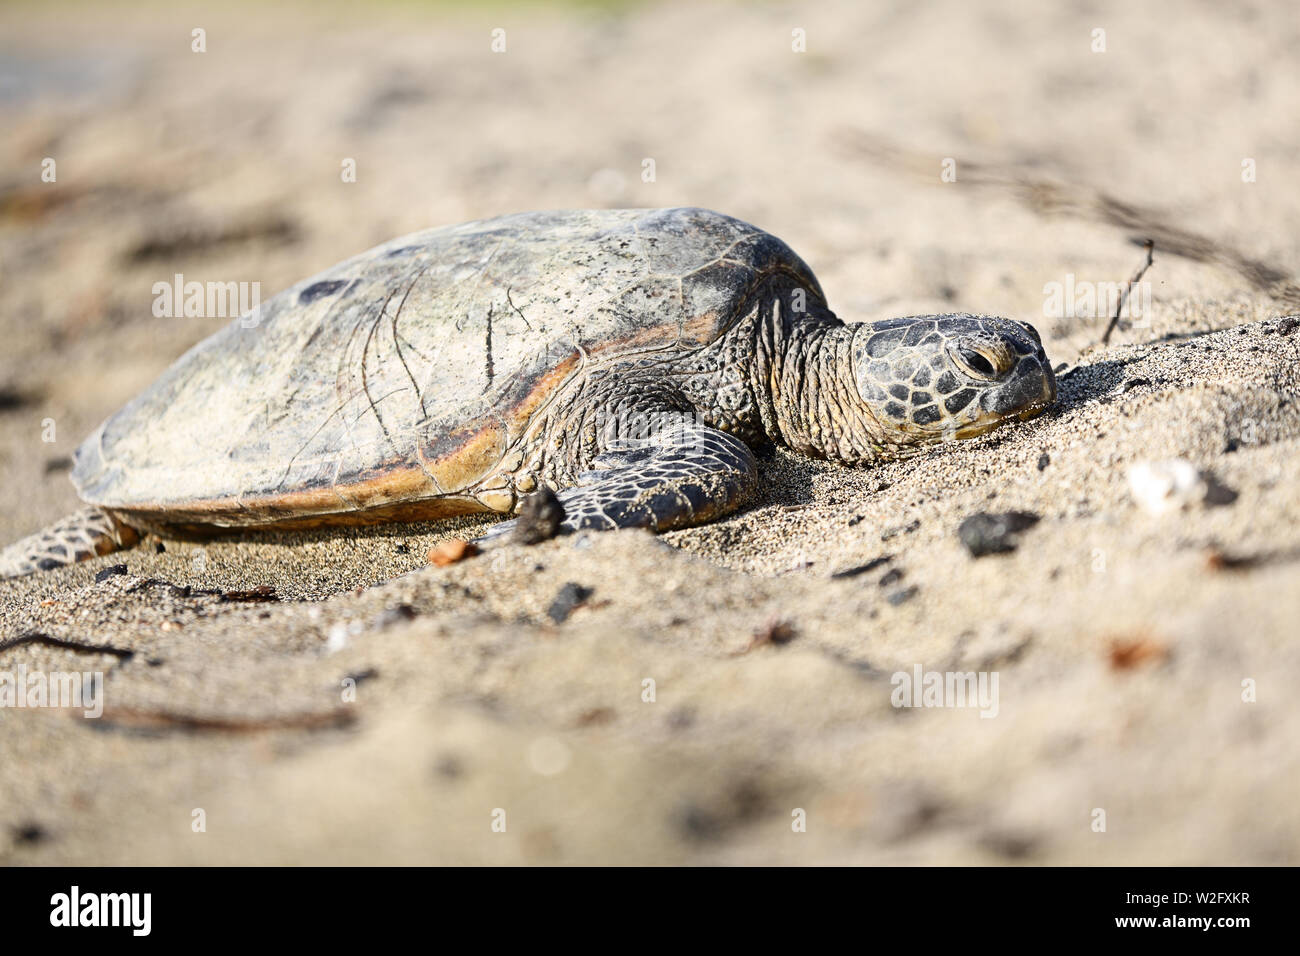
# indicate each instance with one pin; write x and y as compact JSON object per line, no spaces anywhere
{"x":390,"y":384}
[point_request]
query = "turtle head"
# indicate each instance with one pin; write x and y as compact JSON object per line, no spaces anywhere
{"x":933,"y":378}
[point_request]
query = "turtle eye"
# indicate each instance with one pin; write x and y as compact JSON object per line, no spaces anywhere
{"x":976,"y":363}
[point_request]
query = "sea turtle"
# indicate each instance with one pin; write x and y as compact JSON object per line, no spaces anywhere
{"x":628,"y":358}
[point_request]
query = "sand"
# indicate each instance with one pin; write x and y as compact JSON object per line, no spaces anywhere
{"x":717,"y":686}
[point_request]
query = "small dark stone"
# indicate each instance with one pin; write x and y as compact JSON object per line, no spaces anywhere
{"x":159,"y":548}
{"x":1217,"y":493}
{"x":12,"y":399}
{"x":403,"y":548}
{"x":30,"y":833}
{"x":892,"y":576}
{"x":776,"y":631}
{"x":902,"y":595}
{"x":1288,"y":324}
{"x":110,"y":572}
{"x":896,"y":530}
{"x":697,"y":824}
{"x":1012,"y":845}
{"x":856,"y":519}
{"x":58,"y":464}
{"x":595,"y":716}
{"x":1044,"y":460}
{"x":1136,"y":383}
{"x":747,"y":800}
{"x":571,"y":596}
{"x":449,"y":767}
{"x":540,"y":516}
{"x":864,"y":568}
{"x":681,"y":719}
{"x":985,"y":533}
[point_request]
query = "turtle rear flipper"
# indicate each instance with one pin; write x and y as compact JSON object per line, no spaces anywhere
{"x":81,"y":535}
{"x":684,"y":475}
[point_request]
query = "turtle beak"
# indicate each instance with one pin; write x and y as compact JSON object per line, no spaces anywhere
{"x":1047,"y":394}
{"x":1025,"y":395}
{"x":1048,"y":398}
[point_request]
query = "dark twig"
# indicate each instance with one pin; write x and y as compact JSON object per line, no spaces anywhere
{"x":36,"y":637}
{"x":127,"y":718}
{"x":1150,"y":246}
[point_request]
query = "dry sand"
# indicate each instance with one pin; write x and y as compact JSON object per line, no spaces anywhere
{"x":1121,"y":639}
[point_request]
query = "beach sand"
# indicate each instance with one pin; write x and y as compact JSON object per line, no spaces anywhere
{"x":723,"y":694}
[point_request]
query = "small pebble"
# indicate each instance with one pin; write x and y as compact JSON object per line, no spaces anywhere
{"x":451,"y":551}
{"x":30,"y":833}
{"x":892,"y":576}
{"x":1128,"y":653}
{"x":776,"y":631}
{"x":571,"y":596}
{"x":902,"y":595}
{"x":985,"y":533}
{"x":540,"y":517}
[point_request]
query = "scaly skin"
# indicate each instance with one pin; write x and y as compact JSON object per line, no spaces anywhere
{"x":664,"y":443}
{"x":81,"y":535}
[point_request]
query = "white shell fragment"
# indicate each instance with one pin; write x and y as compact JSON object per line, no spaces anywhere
{"x":1164,"y":486}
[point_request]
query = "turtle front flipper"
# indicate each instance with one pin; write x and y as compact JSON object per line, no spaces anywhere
{"x":684,"y":474}
{"x":81,"y":535}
